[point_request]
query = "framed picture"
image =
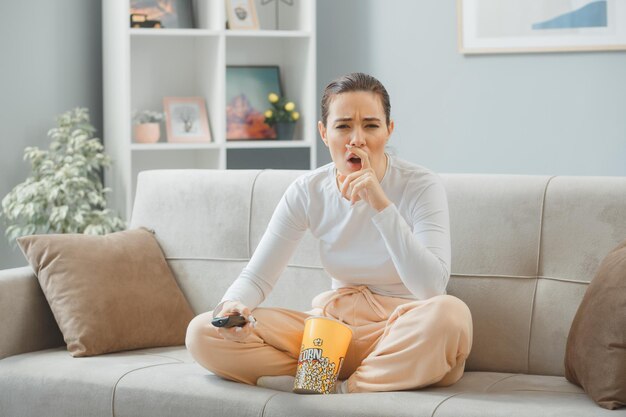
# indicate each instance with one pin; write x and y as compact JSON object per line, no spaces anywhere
{"x":170,"y":14}
{"x":247,"y":88}
{"x":186,"y":120}
{"x":241,"y":14}
{"x":504,"y":26}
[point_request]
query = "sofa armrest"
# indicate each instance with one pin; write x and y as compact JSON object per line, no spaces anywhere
{"x":26,"y":321}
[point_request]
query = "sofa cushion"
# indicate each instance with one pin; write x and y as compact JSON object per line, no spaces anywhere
{"x":476,"y":394}
{"x":595,"y":355}
{"x":52,"y":383}
{"x":161,"y":382}
{"x":521,"y":403}
{"x":185,"y":389}
{"x":109,"y":293}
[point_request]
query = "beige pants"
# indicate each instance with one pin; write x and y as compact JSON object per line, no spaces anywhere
{"x":398,"y":344}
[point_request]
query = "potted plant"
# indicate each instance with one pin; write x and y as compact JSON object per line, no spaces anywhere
{"x":282,"y":116}
{"x":147,"y":127}
{"x":64,"y":193}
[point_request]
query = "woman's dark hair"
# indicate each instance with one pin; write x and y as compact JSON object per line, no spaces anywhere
{"x":356,"y":81}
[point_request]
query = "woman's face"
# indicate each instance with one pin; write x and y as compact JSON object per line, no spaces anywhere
{"x":356,"y":118}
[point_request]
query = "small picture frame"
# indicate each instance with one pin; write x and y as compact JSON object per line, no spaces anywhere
{"x":169,"y":14}
{"x":247,"y":89}
{"x":241,"y":15}
{"x":186,"y":120}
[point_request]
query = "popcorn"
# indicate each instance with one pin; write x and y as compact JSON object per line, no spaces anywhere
{"x":316,"y":375}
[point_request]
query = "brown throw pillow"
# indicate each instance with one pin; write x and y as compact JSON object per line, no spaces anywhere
{"x":595,"y":355}
{"x":109,"y":293}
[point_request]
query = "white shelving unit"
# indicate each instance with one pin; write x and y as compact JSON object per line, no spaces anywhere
{"x":141,"y":66}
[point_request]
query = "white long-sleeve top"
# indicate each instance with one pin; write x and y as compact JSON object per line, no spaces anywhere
{"x":401,"y":251}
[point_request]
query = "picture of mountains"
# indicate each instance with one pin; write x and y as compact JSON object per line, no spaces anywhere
{"x":593,"y":14}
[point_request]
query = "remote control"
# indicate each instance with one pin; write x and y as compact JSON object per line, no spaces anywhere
{"x":229,"y":321}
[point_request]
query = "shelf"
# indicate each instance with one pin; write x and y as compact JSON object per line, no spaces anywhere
{"x":173,"y":32}
{"x":177,"y":66}
{"x":240,"y":144}
{"x":172,"y":146}
{"x":227,"y":33}
{"x":267,"y":34}
{"x":141,"y":66}
{"x":257,"y":144}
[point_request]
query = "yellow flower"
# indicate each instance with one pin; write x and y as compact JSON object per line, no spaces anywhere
{"x":295,"y":115}
{"x":272,"y":97}
{"x":268,"y":113}
{"x":290,"y":106}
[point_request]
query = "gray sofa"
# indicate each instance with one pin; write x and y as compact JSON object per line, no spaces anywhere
{"x":523,"y":251}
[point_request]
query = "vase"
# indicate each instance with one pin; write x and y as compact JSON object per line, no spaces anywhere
{"x":284,"y":130}
{"x":147,"y":132}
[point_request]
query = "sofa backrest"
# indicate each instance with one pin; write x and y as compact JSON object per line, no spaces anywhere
{"x":524,"y":248}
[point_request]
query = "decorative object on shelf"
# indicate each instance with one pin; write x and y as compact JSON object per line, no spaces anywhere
{"x":147,"y":128}
{"x":282,"y":117}
{"x":64,"y":193}
{"x":139,"y":20}
{"x":540,"y":26}
{"x":284,"y":130}
{"x":161,"y":13}
{"x":247,"y":89}
{"x":277,"y":4}
{"x":241,"y":15}
{"x":186,"y":120}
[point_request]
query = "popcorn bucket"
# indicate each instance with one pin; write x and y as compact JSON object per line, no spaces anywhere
{"x":324,"y":345}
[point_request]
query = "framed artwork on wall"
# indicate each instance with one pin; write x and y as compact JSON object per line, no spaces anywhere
{"x":186,"y":120}
{"x":247,"y":89}
{"x":241,"y":14}
{"x":506,"y":26}
{"x":169,"y":14}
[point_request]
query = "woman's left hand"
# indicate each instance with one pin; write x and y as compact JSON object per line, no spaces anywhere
{"x":364,"y":184}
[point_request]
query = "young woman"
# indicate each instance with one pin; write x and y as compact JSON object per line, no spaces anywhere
{"x":383,"y":228}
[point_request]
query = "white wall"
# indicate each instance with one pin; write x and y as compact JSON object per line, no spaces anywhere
{"x":50,"y":62}
{"x":554,"y":113}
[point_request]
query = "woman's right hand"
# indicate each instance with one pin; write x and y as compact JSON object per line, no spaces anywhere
{"x":236,"y":333}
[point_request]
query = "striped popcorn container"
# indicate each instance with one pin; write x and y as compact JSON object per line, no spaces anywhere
{"x":324,"y":345}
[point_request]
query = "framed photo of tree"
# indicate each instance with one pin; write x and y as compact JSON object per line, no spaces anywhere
{"x":186,"y":120}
